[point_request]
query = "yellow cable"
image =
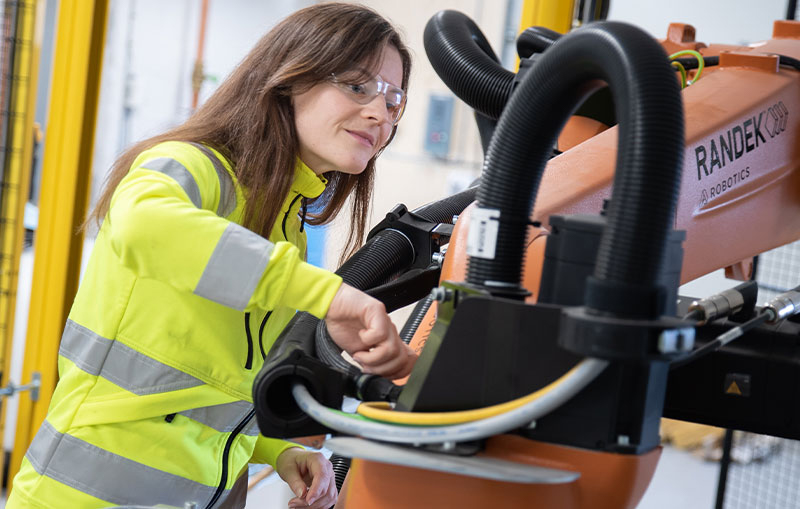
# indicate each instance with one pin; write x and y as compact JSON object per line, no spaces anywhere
{"x":682,"y":70}
{"x":380,"y":411}
{"x":700,"y":62}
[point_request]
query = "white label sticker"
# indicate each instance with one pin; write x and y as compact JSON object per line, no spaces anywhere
{"x":482,"y":237}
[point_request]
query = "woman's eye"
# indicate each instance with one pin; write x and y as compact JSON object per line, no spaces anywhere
{"x":357,"y":89}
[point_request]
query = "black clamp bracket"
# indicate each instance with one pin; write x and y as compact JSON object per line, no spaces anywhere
{"x":426,"y":237}
{"x":617,"y":338}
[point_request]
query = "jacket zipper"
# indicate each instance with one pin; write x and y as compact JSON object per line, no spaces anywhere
{"x":249,"y":362}
{"x":286,"y":215}
{"x":261,"y":335}
{"x":225,"y":453}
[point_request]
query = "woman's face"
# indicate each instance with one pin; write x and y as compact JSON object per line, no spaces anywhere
{"x":338,"y":134}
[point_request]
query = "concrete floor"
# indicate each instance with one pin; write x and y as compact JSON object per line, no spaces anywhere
{"x":681,"y":480}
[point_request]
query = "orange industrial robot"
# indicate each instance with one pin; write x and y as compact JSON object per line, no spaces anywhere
{"x":554,"y":339}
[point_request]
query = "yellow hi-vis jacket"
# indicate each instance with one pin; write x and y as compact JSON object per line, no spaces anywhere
{"x":178,"y":305}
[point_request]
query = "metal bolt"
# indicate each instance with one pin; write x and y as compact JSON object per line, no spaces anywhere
{"x":437,"y":258}
{"x":441,"y":294}
{"x":33,"y":386}
{"x":623,"y":440}
{"x":455,"y":218}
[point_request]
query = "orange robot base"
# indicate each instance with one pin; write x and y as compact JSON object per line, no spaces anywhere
{"x":608,"y":481}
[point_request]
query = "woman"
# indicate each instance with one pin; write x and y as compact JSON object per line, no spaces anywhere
{"x":180,"y":302}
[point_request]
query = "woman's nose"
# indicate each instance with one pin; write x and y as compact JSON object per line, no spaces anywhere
{"x":376,"y":109}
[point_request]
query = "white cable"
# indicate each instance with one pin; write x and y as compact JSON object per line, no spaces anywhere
{"x":586,"y":371}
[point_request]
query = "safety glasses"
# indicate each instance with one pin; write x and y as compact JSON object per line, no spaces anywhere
{"x":365,"y":92}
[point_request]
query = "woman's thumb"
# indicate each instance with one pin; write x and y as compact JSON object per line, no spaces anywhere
{"x":298,"y":488}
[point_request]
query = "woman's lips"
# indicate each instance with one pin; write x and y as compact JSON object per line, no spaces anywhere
{"x":363,"y":137}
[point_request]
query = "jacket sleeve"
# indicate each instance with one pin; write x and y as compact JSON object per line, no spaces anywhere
{"x":163,"y":225}
{"x":268,"y":449}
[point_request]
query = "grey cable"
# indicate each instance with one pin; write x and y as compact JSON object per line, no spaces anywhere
{"x":586,"y":371}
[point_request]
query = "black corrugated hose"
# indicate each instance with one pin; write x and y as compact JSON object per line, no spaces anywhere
{"x":535,"y":40}
{"x":381,"y":257}
{"x":378,"y":260}
{"x":650,"y":153}
{"x":466,"y":63}
{"x":417,"y":314}
{"x":340,"y":466}
{"x":442,"y":211}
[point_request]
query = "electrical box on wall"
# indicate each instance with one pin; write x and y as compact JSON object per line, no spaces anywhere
{"x":437,"y":132}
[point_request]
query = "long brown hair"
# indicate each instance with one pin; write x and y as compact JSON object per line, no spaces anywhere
{"x":250,"y":118}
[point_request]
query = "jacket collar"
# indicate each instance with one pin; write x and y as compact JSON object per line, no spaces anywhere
{"x":306,"y":182}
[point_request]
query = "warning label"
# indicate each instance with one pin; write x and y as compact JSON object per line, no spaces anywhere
{"x":737,"y":384}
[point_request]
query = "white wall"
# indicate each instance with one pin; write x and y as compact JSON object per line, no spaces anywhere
{"x":150,"y":51}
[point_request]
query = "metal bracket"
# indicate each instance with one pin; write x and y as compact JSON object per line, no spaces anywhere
{"x":426,"y":237}
{"x":33,"y":386}
{"x":482,"y":467}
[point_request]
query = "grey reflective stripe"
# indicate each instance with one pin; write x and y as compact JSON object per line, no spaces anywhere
{"x":121,"y":364}
{"x":224,"y":418}
{"x":108,"y":476}
{"x":237,"y":496}
{"x":235,"y":267}
{"x":227,"y":194}
{"x":252,"y":429}
{"x":180,"y":174}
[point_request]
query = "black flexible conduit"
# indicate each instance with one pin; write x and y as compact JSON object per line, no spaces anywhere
{"x":380,"y":258}
{"x":535,"y":40}
{"x":417,"y":314}
{"x":442,"y":211}
{"x":340,"y":466}
{"x":389,"y":251}
{"x":650,"y":153}
{"x":463,"y":58}
{"x":466,"y":63}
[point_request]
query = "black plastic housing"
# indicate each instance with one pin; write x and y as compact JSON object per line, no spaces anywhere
{"x":486,"y":350}
{"x":290,"y":361}
{"x":765,"y":364}
{"x":493,"y":350}
{"x":425,"y":236}
{"x":571,"y":253}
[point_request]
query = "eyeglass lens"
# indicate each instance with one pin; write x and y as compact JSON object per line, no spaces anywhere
{"x":363,"y":93}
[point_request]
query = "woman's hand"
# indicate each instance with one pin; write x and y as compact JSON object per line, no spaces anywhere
{"x":310,"y":476}
{"x":359,"y":324}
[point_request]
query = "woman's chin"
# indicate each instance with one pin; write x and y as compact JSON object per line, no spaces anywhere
{"x":354,"y":169}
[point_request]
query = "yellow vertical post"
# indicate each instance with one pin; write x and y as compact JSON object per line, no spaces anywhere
{"x":553,"y":14}
{"x":66,"y":172}
{"x":17,"y":162}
